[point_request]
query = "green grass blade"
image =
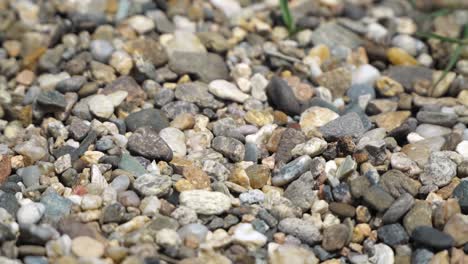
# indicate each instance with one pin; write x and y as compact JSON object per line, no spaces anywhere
{"x":453,"y":60}
{"x":287,"y":17}
{"x":455,"y":55}
{"x":439,"y":37}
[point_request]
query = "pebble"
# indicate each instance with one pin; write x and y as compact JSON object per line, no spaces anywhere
{"x":153,"y":118}
{"x":140,"y":132}
{"x":229,"y":147}
{"x":346,"y":125}
{"x":461,"y":193}
{"x":101,"y":106}
{"x":301,"y":229}
{"x":438,"y":171}
{"x":245,"y":234}
{"x":377,"y":198}
{"x":419,"y":215}
{"x":432,"y":238}
{"x":205,"y":202}
{"x":84,"y":246}
{"x":289,"y":253}
{"x":292,"y":171}
{"x":148,"y":184}
{"x":175,"y":139}
{"x":398,"y":209}
{"x":393,"y":234}
{"x":313,"y":147}
{"x":30,"y":213}
{"x":141,"y":24}
{"x":457,"y":228}
{"x":101,"y":50}
{"x":300,"y":192}
{"x":436,"y":118}
{"x":335,"y":237}
{"x":146,"y":142}
{"x":383,"y":254}
{"x":228,"y":91}
{"x":282,"y":96}
{"x":398,"y":56}
{"x":315,"y":117}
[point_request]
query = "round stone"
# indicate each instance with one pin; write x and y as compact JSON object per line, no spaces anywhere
{"x":30,"y":213}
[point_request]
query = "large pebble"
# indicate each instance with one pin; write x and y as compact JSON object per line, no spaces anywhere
{"x":156,"y":185}
{"x":175,"y":139}
{"x":84,"y":246}
{"x":292,"y":171}
{"x":301,"y":229}
{"x":101,"y":106}
{"x":30,"y":213}
{"x":205,"y":202}
{"x":146,"y":142}
{"x":226,"y":90}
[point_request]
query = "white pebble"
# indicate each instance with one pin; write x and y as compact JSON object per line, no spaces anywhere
{"x":30,"y":213}
{"x":226,"y":90}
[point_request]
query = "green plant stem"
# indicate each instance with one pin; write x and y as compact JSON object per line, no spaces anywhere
{"x":287,"y":17}
{"x":455,"y":55}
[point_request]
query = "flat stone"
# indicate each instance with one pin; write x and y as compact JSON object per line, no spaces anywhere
{"x":56,"y":207}
{"x":379,"y":199}
{"x":206,"y":66}
{"x":131,"y":164}
{"x":398,"y":209}
{"x":300,"y":191}
{"x":432,"y":238}
{"x":437,"y":118}
{"x":157,"y":185}
{"x":52,"y":101}
{"x":153,"y":118}
{"x":101,"y":106}
{"x":315,"y":117}
{"x":198,"y":93}
{"x":301,"y":229}
{"x":339,"y":38}
{"x":419,"y":215}
{"x":393,"y":234}
{"x":205,"y":202}
{"x":438,"y":171}
{"x":347,"y":125}
{"x":391,"y":120}
{"x":429,"y":130}
{"x":127,"y":84}
{"x":342,"y":209}
{"x":228,"y":91}
{"x":146,"y":142}
{"x":457,"y":228}
{"x":292,"y":171}
{"x":335,"y":237}
{"x":396,"y":183}
{"x":72,"y":84}
{"x":229,"y":147}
